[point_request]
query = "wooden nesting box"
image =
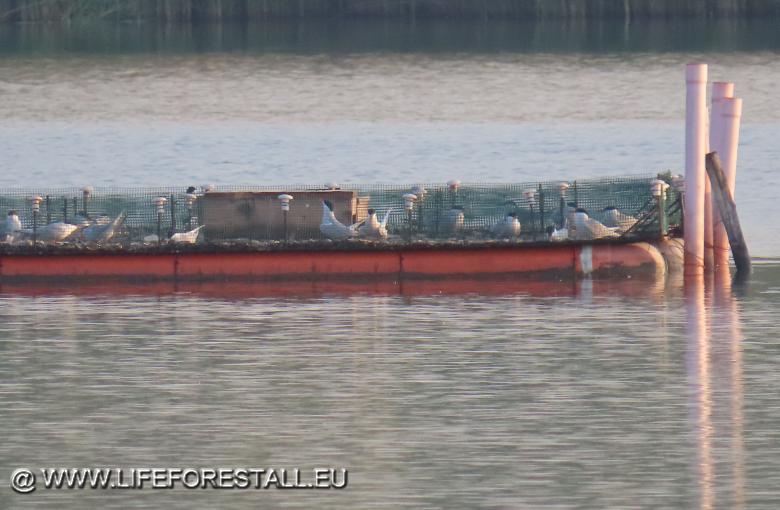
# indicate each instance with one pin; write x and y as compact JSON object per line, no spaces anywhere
{"x":258,"y":215}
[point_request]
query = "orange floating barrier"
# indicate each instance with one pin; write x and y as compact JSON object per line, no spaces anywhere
{"x":566,"y":260}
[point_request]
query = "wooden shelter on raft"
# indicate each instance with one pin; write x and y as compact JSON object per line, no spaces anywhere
{"x":257,"y":215}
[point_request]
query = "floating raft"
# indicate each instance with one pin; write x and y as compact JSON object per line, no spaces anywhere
{"x":349,"y":260}
{"x":433,"y":231}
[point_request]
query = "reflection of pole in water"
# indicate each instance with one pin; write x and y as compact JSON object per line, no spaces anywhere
{"x":726,"y":325}
{"x":698,"y":361}
{"x":714,"y":356}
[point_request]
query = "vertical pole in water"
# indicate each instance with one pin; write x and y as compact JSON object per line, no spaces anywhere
{"x":695,"y":137}
{"x":720,"y":90}
{"x":731,"y":111}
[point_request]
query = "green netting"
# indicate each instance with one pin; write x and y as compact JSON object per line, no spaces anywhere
{"x":540,"y":207}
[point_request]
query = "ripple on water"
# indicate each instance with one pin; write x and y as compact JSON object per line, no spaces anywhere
{"x":431,"y":401}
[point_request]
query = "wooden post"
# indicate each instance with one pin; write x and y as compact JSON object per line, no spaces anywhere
{"x":728,"y":213}
{"x":730,"y":110}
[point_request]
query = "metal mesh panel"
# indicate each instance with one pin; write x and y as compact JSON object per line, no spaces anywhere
{"x":253,"y":213}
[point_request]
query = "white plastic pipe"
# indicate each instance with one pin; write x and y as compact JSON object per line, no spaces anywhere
{"x":695,"y":147}
{"x":730,"y":113}
{"x":709,"y":260}
{"x":720,"y":90}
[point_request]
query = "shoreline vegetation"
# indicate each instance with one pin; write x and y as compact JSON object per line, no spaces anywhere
{"x":249,"y":11}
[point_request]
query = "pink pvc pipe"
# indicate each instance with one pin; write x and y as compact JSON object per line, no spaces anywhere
{"x":695,"y":147}
{"x":730,"y":113}
{"x":709,"y":257}
{"x":720,"y":90}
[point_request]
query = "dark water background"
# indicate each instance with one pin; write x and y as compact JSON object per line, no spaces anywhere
{"x":435,"y":395}
{"x":396,"y":36}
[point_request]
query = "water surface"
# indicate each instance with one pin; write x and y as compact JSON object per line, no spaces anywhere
{"x":588,"y":395}
{"x":434,"y":394}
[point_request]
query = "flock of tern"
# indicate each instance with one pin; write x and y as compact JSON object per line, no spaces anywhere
{"x":578,"y":226}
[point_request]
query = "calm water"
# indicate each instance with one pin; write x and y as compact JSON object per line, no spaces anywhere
{"x":451,"y":395}
{"x":437,"y":395}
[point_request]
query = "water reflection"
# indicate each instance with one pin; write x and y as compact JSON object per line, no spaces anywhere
{"x":714,"y":363}
{"x":392,"y":36}
{"x":585,"y":289}
{"x":585,"y":394}
{"x":698,"y":362}
{"x":727,"y":329}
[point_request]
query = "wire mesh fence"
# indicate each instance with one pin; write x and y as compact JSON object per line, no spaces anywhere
{"x":627,"y":207}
